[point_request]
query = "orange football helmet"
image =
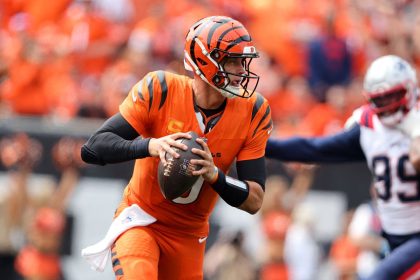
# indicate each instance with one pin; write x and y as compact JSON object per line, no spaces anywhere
{"x":212,"y":40}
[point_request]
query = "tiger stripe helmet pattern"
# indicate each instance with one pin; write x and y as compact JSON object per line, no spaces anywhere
{"x":208,"y":44}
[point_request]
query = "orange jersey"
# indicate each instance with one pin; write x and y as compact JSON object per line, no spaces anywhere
{"x":161,"y":104}
{"x":34,"y":264}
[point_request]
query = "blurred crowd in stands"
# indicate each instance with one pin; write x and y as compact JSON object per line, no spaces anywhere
{"x":34,"y":215}
{"x":79,"y":58}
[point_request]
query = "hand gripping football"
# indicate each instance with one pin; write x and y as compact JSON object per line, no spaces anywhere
{"x":176,"y":177}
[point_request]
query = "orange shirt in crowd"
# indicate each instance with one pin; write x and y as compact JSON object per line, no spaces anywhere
{"x":344,"y":254}
{"x":23,"y":90}
{"x":34,"y":264}
{"x":92,"y":38}
{"x":35,"y":88}
{"x":323,"y":119}
{"x":274,"y":272}
{"x":284,"y":104}
{"x":275,"y":224}
{"x":41,"y":12}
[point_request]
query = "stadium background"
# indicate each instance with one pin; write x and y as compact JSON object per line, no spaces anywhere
{"x":65,"y":66}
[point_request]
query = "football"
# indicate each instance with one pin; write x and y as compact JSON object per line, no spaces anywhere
{"x":176,"y":177}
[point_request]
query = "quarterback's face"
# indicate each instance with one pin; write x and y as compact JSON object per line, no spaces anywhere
{"x":235,"y":66}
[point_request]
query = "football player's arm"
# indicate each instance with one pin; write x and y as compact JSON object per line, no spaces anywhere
{"x":117,"y":141}
{"x":245,"y":193}
{"x":410,"y":126}
{"x":414,"y":153}
{"x":341,"y":147}
{"x":253,"y":173}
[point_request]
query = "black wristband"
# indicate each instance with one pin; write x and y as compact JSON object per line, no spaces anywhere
{"x":234,"y":192}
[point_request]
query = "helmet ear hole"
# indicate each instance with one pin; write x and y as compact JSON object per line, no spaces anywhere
{"x":215,"y":54}
{"x":217,"y":81}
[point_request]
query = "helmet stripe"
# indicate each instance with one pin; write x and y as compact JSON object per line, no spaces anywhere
{"x":197,"y":32}
{"x":200,"y":28}
{"x":245,"y":38}
{"x":214,"y":28}
{"x":219,"y":41}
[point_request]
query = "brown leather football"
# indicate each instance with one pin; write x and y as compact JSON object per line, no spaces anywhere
{"x":175,"y":178}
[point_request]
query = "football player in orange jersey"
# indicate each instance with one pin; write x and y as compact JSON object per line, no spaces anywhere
{"x":219,"y":104}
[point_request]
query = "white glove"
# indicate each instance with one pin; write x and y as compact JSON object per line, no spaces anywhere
{"x":410,"y":125}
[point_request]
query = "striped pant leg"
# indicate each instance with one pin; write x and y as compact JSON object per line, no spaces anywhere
{"x":135,"y":255}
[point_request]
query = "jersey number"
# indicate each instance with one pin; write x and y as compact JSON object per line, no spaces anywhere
{"x":386,"y":178}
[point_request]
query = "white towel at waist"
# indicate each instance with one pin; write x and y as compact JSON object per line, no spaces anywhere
{"x":98,"y":254}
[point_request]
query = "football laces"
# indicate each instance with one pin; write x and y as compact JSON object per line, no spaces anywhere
{"x":168,"y":167}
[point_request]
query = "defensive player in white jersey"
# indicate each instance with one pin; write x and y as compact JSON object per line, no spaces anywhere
{"x":385,"y":133}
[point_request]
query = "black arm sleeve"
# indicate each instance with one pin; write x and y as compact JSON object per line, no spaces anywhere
{"x":252,"y":170}
{"x":341,"y":147}
{"x":115,"y":141}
